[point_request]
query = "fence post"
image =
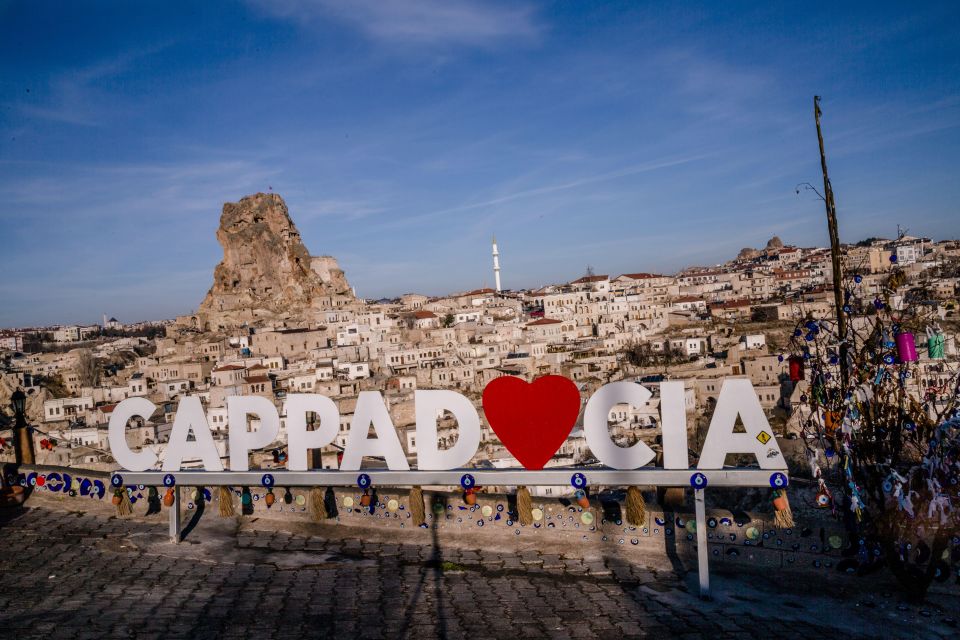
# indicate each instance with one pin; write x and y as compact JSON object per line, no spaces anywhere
{"x":703,"y":553}
{"x":175,"y":516}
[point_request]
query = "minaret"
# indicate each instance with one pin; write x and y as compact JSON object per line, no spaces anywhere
{"x":496,"y":264}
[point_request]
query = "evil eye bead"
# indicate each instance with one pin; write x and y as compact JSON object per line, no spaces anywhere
{"x":698,"y":481}
{"x":578,"y":480}
{"x":779,"y":480}
{"x":169,"y":480}
{"x":267,"y":480}
{"x":467,"y":481}
{"x":116,"y":480}
{"x":363,"y":481}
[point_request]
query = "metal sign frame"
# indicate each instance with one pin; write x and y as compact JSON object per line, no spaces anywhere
{"x":698,"y":480}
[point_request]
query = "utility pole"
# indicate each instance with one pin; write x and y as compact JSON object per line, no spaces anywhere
{"x":834,"y":250}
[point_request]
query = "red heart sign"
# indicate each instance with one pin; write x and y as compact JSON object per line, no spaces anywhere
{"x":532,"y":420}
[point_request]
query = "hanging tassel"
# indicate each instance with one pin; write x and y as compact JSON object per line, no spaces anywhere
{"x":330,"y":502}
{"x":122,"y":501}
{"x":416,"y":506}
{"x":524,"y":506}
{"x":153,"y":501}
{"x":673,"y":497}
{"x":636,"y":507}
{"x":783,"y":519}
{"x":225,"y":499}
{"x":318,"y":505}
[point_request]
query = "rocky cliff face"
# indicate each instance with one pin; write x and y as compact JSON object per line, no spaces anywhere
{"x":266,"y":273}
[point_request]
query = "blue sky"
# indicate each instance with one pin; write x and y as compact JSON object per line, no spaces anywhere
{"x":403,"y":133}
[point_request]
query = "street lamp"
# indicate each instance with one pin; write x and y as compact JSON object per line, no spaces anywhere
{"x":18,"y":400}
{"x":22,"y":441}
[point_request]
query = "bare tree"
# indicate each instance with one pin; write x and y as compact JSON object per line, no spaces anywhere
{"x":87,"y":368}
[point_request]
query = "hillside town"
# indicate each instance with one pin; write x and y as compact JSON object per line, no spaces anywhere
{"x":278,"y":321}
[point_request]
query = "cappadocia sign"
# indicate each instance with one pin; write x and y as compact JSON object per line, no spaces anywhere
{"x":532,"y":420}
{"x":617,"y":320}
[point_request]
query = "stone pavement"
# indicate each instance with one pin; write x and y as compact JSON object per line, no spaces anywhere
{"x":86,"y":574}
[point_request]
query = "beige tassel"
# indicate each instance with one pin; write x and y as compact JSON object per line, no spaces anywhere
{"x":416,"y":506}
{"x":524,"y":506}
{"x":783,"y":518}
{"x":122,"y":500}
{"x":225,"y":500}
{"x":318,"y":506}
{"x":636,"y":507}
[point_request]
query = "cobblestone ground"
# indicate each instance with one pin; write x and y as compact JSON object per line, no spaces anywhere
{"x":80,"y":575}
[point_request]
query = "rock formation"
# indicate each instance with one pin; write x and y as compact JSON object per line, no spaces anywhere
{"x":775,"y":243}
{"x":267,"y":275}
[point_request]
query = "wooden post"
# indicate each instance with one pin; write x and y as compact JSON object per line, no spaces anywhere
{"x":834,"y":250}
{"x":23,"y":441}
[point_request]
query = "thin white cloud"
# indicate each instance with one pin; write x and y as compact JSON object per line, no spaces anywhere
{"x":72,"y":96}
{"x":636,"y":169}
{"x":464,"y":22}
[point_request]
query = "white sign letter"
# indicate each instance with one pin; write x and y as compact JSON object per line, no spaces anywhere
{"x":737,"y":397}
{"x":298,"y":438}
{"x":243,"y":441}
{"x":429,"y":405}
{"x":597,"y":434}
{"x":371,"y":410}
{"x":673,"y":426}
{"x":190,"y":417}
{"x":116,"y":434}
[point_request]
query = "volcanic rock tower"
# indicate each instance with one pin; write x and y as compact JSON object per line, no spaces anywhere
{"x":267,"y":275}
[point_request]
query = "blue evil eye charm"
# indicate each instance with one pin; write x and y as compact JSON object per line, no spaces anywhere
{"x":467,"y":481}
{"x":116,"y":480}
{"x":888,"y":359}
{"x":169,"y":480}
{"x":810,"y":337}
{"x":877,"y":304}
{"x":846,"y":308}
{"x":698,"y":481}
{"x":779,"y":480}
{"x":893,"y":257}
{"x":909,"y":426}
{"x":780,"y":358}
{"x":578,"y":480}
{"x":858,"y":278}
{"x":363,"y":481}
{"x":834,"y":359}
{"x":267,"y":480}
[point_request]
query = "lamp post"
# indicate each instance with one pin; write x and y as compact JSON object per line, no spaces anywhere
{"x":22,"y":441}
